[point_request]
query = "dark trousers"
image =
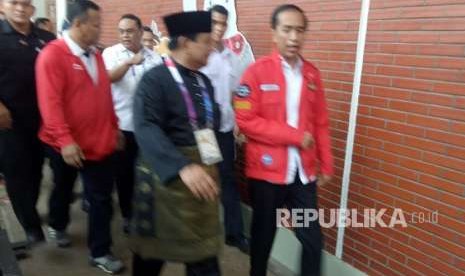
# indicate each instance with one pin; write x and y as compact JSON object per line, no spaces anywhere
{"x":153,"y":267}
{"x":230,"y":196}
{"x":265,"y":199}
{"x":21,"y":160}
{"x":97,"y":177}
{"x":124,"y":174}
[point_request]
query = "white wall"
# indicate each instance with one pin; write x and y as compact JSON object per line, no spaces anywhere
{"x":41,"y":8}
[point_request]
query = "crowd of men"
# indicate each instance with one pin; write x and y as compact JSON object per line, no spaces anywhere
{"x":162,"y":130}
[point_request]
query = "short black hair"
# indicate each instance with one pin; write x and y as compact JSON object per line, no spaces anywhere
{"x":41,"y":20}
{"x":78,"y":10}
{"x":132,"y":17}
{"x":219,"y":9}
{"x":147,"y":29}
{"x":173,"y":44}
{"x":283,"y":8}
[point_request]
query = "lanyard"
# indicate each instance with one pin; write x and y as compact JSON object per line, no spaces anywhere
{"x":187,"y":96}
{"x":133,"y":70}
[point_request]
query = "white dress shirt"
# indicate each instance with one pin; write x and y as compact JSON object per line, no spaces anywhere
{"x":89,"y":61}
{"x":223,"y":71}
{"x":123,"y":91}
{"x":293,"y":78}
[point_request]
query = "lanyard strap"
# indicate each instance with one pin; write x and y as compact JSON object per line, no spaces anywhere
{"x":187,"y":96}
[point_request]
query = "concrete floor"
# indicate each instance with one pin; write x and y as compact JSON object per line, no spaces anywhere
{"x":49,"y":260}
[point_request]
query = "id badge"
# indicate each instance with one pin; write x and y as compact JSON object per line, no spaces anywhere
{"x":208,"y":146}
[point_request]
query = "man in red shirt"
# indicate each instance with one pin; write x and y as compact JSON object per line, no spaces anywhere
{"x":80,"y":129}
{"x":281,"y":108}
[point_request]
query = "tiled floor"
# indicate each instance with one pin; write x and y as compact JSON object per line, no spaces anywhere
{"x":48,"y":260}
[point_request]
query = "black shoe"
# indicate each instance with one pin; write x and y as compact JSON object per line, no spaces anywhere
{"x":35,"y":237}
{"x":242,"y":243}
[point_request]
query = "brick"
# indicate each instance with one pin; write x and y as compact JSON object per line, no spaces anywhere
{"x":450,"y":247}
{"x":428,"y":122}
{"x":405,"y":49}
{"x":431,"y":250}
{"x":458,"y":127}
{"x":376,"y":80}
{"x":442,"y":184}
{"x":370,"y":121}
{"x":446,"y":269}
{"x":413,"y":84}
{"x":418,"y":37}
{"x":453,"y":175}
{"x":377,"y":195}
{"x":388,"y":114}
{"x":448,"y":113}
{"x":457,"y":201}
{"x":368,"y":142}
{"x":460,"y":102}
{"x":415,"y":61}
{"x":454,"y":225}
{"x":441,"y":50}
{"x":444,"y":161}
{"x":452,"y":63}
{"x":450,"y":88}
{"x":452,"y":38}
{"x":418,"y":166}
{"x":373,"y":101}
{"x":396,"y":192}
{"x":456,"y":152}
{"x":372,"y":253}
{"x":400,"y":171}
{"x":378,"y":58}
{"x":381,"y":155}
{"x":389,"y":251}
{"x":409,"y":251}
{"x":435,"y":99}
{"x":422,"y":268}
{"x":403,"y":269}
{"x":384,"y":135}
{"x":383,"y":269}
{"x":418,"y":188}
{"x":435,"y":205}
{"x":424,"y":144}
{"x":392,"y":93}
{"x":403,"y":151}
{"x":445,"y":137}
{"x":394,"y":71}
{"x":380,"y":176}
{"x":405,"y":129}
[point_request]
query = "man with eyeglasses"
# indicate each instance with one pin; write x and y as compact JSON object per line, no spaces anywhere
{"x":126,"y":63}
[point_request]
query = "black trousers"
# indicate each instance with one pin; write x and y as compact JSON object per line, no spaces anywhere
{"x":265,"y":199}
{"x":124,"y":175}
{"x":97,"y":177}
{"x":153,"y":267}
{"x":230,"y":195}
{"x":21,"y":160}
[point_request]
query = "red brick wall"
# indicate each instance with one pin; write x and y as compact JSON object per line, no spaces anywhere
{"x":410,"y":140}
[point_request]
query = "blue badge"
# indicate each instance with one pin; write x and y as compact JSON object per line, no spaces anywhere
{"x":243,"y":91}
{"x":267,"y":160}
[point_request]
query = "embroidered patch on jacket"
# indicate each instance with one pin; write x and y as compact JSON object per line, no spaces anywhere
{"x":267,"y":160}
{"x":243,"y":91}
{"x":244,"y":105}
{"x":269,"y":87}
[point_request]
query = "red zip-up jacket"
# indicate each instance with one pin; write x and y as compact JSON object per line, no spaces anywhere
{"x":72,"y":107}
{"x":260,"y":104}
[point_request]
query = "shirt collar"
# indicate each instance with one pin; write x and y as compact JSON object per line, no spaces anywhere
{"x":287,"y":66}
{"x":74,"y":47}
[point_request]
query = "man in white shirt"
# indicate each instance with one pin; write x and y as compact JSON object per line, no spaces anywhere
{"x":126,"y":63}
{"x":223,"y":70}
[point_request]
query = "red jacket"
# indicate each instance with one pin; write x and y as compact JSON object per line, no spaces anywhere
{"x":72,"y":107}
{"x":260,"y":104}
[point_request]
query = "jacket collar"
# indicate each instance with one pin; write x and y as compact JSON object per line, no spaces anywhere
{"x":6,"y":28}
